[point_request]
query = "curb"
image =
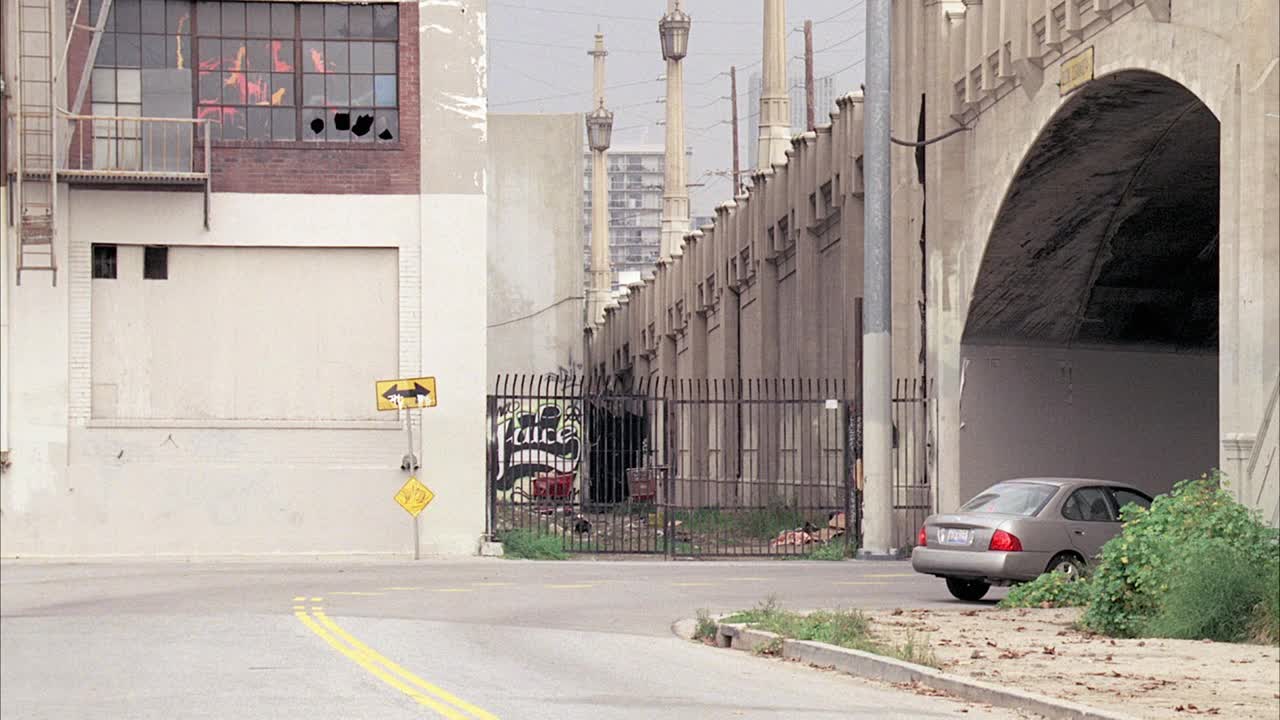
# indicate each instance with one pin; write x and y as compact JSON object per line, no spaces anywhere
{"x":879,"y":667}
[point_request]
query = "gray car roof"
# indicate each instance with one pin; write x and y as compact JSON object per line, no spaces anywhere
{"x":1060,"y":481}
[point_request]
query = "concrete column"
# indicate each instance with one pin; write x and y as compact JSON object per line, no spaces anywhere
{"x":675,"y":192}
{"x":600,"y":281}
{"x":775,"y":101}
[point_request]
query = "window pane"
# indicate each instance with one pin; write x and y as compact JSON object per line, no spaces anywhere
{"x":386,"y":125}
{"x":339,"y":129}
{"x":336,"y":58}
{"x":335,"y":21}
{"x":313,"y":124}
{"x":179,"y":16}
{"x":384,"y":21}
{"x":178,"y":52}
{"x":129,"y":86}
{"x":312,"y":21}
{"x":259,"y":123}
{"x":128,"y":51}
{"x":385,"y":91}
{"x":281,"y":20}
{"x":384,"y":57}
{"x":153,"y":16}
{"x":104,"y":128}
{"x":257,"y":19}
{"x":282,"y":55}
{"x":362,"y":126}
{"x":155,"y":263}
{"x":233,"y":124}
{"x":128,"y":16}
{"x":233,"y":19}
{"x":257,"y":55}
{"x":313,"y":56}
{"x":104,"y":85}
{"x":282,"y":91}
{"x":1024,"y":499}
{"x":153,"y":51}
{"x":258,"y":89}
{"x":282,"y":124}
{"x":361,"y":21}
{"x":336,"y":90}
{"x":313,"y":89}
{"x":106,"y":50}
{"x":234,"y":88}
{"x":210,"y":88}
{"x":362,"y":90}
{"x":209,"y":17}
{"x":361,"y":57}
{"x":104,"y":262}
{"x":209,"y":53}
{"x":95,"y":6}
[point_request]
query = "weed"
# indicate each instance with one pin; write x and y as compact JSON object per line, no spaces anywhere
{"x":833,"y":550}
{"x":532,"y":545}
{"x":1219,"y":594}
{"x":706,"y":628}
{"x":1052,"y":589}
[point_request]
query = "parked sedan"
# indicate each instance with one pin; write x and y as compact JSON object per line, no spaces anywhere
{"x":1016,"y":530}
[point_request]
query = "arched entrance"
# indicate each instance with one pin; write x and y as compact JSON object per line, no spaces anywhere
{"x":1090,"y":347}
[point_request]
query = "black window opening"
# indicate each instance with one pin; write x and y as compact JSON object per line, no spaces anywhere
{"x":155,"y":263}
{"x":104,"y":262}
{"x":256,"y":70}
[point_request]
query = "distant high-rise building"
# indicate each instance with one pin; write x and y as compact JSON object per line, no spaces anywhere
{"x":635,"y":208}
{"x":823,"y":102}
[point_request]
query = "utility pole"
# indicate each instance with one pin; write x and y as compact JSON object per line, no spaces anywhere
{"x":877,"y":369}
{"x":733,"y":97}
{"x":775,"y":101}
{"x":810,"y":122}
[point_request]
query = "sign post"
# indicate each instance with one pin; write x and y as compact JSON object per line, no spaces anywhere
{"x":404,"y":395}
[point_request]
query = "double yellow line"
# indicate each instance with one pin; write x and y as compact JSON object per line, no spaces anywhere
{"x":424,"y":693}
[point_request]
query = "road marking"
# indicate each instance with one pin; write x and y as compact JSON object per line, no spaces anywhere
{"x":444,"y":703}
{"x":357,"y":593}
{"x":694,"y":584}
{"x":400,"y":587}
{"x":300,"y":598}
{"x":299,"y":607}
{"x":571,"y":586}
{"x":451,"y":590}
{"x":862,"y":583}
{"x":315,"y":599}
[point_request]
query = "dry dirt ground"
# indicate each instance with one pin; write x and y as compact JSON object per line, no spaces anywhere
{"x":1040,"y":651}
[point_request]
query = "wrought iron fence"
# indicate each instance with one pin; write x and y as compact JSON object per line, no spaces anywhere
{"x":674,"y":467}
{"x":914,"y":493}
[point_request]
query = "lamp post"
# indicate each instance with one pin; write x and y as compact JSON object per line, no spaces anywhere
{"x":673,"y":30}
{"x":599,"y":135}
{"x":775,"y":102}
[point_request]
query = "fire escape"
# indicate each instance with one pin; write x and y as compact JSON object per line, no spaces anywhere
{"x":52,"y":144}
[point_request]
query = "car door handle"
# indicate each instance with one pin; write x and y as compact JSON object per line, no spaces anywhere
{"x":1077,"y":532}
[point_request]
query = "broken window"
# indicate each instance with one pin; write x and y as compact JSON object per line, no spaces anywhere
{"x":104,"y":262}
{"x":263,"y":70}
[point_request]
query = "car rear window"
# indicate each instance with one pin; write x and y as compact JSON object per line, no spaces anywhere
{"x":1024,"y":499}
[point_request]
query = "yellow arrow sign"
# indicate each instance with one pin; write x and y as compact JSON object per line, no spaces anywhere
{"x":406,"y":393}
{"x":414,"y":496}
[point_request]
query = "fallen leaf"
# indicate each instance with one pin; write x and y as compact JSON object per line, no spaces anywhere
{"x":990,"y":644}
{"x":969,"y":613}
{"x":1020,"y":628}
{"x":897,"y":611}
{"x":1050,"y":651}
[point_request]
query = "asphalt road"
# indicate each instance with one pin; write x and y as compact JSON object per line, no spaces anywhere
{"x":453,"y":639}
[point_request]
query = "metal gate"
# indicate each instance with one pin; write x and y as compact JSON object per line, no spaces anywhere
{"x":682,"y":468}
{"x":914,"y":495}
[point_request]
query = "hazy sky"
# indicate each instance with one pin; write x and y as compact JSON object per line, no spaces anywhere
{"x":538,"y":63}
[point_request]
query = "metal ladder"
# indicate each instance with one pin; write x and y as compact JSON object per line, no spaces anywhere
{"x":36,"y":183}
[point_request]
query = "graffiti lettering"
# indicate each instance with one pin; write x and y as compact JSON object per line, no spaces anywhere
{"x":531,"y":440}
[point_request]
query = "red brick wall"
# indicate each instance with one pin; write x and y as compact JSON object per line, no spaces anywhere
{"x":340,"y":168}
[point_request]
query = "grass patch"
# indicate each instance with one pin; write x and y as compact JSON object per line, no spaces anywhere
{"x":532,"y":545}
{"x":833,"y":550}
{"x":844,"y":628}
{"x":705,"y":630}
{"x":1219,"y":594}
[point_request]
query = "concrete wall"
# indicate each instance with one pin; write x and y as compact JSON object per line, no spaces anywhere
{"x":535,"y":300}
{"x":1146,"y":418}
{"x":400,"y":282}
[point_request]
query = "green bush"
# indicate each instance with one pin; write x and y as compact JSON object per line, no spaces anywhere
{"x":1132,"y":579}
{"x":834,"y":550}
{"x":532,"y":545}
{"x":1218,"y":593}
{"x":845,"y":628}
{"x":1052,"y":589}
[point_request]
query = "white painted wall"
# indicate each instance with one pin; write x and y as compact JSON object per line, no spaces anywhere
{"x":1140,"y":417}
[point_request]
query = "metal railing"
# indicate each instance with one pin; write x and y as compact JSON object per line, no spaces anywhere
{"x":136,"y":148}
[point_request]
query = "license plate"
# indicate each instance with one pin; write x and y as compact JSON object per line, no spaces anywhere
{"x":954,"y":536}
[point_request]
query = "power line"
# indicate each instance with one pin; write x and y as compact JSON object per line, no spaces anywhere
{"x":851,"y":8}
{"x":628,"y":18}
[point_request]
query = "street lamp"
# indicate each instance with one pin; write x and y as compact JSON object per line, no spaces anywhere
{"x":673,"y":28}
{"x":599,"y":128}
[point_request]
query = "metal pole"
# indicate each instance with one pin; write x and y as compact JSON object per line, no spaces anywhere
{"x":877,"y":372}
{"x":733,"y":97}
{"x":422,"y":458}
{"x":810,"y":122}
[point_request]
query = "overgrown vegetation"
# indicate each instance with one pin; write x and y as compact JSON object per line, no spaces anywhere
{"x":1053,"y":590}
{"x":1196,"y":565}
{"x":705,"y":630}
{"x":759,"y":523}
{"x":525,"y":544}
{"x":845,"y":628}
{"x":834,"y":550}
{"x":1155,"y":574}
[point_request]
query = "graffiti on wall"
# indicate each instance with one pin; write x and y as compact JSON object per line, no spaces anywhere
{"x":536,"y":437}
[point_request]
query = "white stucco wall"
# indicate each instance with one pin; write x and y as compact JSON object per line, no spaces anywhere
{"x":1147,"y":418}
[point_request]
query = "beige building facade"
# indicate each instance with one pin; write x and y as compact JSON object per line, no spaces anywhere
{"x":1086,"y":271}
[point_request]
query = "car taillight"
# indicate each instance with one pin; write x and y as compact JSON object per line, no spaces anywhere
{"x":923,"y":539}
{"x":1004,"y":542}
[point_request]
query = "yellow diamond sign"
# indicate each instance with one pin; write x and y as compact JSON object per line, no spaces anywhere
{"x":414,"y":496}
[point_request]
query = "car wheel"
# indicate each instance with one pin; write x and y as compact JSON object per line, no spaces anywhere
{"x":1068,"y":564}
{"x":967,"y":590}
